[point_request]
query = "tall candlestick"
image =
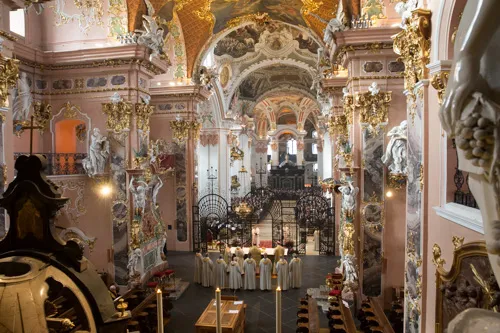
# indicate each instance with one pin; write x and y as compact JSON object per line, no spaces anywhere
{"x":159,"y":308}
{"x":278,"y":310}
{"x":218,"y":319}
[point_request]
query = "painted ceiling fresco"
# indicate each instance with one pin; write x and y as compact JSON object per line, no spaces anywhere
{"x":242,"y":41}
{"x":283,"y":10}
{"x":267,"y":78}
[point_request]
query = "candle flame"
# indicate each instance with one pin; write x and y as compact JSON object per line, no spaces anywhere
{"x":217,"y":290}
{"x":278,"y":289}
{"x":158,"y":291}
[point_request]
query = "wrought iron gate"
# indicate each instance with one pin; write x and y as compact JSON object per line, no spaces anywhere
{"x":313,"y":212}
{"x":210,"y":215}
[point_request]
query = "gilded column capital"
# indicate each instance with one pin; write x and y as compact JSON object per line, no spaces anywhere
{"x":118,"y":113}
{"x":374,"y":106}
{"x":9,"y":73}
{"x":413,"y":45}
{"x":142,"y":113}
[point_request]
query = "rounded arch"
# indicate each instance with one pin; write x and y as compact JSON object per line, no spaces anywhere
{"x":263,"y":64}
{"x":212,"y":41}
{"x":286,"y":130}
{"x":447,"y":19}
{"x":289,"y":89}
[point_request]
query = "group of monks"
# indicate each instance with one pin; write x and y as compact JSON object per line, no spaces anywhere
{"x":236,"y":272}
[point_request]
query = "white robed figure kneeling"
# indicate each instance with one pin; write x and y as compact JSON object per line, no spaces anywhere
{"x":220,"y":273}
{"x":266,"y":268}
{"x":198,"y":263}
{"x":295,"y":267}
{"x":234,"y":275}
{"x":249,"y":271}
{"x":283,"y":274}
{"x":207,"y":272}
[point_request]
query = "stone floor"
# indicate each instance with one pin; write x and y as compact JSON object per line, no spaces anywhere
{"x":260,"y":315}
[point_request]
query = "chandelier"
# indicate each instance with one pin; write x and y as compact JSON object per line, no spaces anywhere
{"x":243,"y":210}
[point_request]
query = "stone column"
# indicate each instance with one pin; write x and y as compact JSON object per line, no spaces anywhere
{"x":275,"y":158}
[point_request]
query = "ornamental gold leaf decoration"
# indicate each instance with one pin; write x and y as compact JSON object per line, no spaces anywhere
{"x":42,"y":114}
{"x":436,"y":254}
{"x":310,"y":6}
{"x":413,"y":45}
{"x":457,"y":242}
{"x":374,"y":107}
{"x":337,"y":125}
{"x":9,"y":73}
{"x":439,"y":82}
{"x":142,"y":113}
{"x":118,"y":116}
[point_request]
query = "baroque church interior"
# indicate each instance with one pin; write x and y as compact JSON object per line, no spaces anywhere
{"x":249,"y":165}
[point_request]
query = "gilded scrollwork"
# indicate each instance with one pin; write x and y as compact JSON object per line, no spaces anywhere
{"x":436,"y":254}
{"x":457,"y":242}
{"x":9,"y":73}
{"x":142,"y":113}
{"x":42,"y":114}
{"x":337,"y":125}
{"x":310,"y":6}
{"x":348,"y":238}
{"x":439,"y":82}
{"x":374,"y":106}
{"x":413,"y":45}
{"x":118,"y":114}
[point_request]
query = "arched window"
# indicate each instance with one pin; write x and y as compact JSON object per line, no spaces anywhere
{"x":291,"y":147}
{"x":269,"y":150}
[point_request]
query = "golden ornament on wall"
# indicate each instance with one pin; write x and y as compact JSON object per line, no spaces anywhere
{"x":337,"y":125}
{"x":439,"y":82}
{"x":436,"y":254}
{"x":9,"y":73}
{"x":413,"y":45}
{"x":181,"y":129}
{"x":224,"y":76}
{"x":142,"y":113}
{"x":348,"y":239}
{"x":457,"y":242}
{"x":310,"y":6}
{"x":118,"y":115}
{"x":42,"y":114}
{"x":374,"y":107}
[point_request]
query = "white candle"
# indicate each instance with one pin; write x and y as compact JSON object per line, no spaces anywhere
{"x":218,"y":319}
{"x":278,"y":310}
{"x":159,"y":308}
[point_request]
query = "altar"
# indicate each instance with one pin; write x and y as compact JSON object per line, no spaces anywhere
{"x":268,"y":251}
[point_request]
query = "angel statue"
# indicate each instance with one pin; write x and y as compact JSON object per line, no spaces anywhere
{"x":138,"y":195}
{"x":404,"y":8}
{"x":349,"y":193}
{"x":22,"y":98}
{"x":152,"y":36}
{"x":374,"y":89}
{"x":395,"y":153}
{"x":349,"y":268}
{"x":95,"y":163}
{"x":134,"y":263}
{"x":335,"y":24}
{"x":471,"y":114}
{"x":155,"y":186}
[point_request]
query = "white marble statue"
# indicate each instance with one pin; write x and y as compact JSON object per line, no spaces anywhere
{"x":134,"y":263}
{"x":395,"y":153}
{"x":345,"y":92}
{"x":335,"y":24}
{"x":374,"y":88}
{"x":471,"y":114}
{"x":116,"y":98}
{"x":138,"y":195}
{"x":265,"y":269}
{"x":95,"y":163}
{"x":155,"y":186}
{"x":146,"y":99}
{"x":22,"y":98}
{"x":349,"y":268}
{"x":152,"y":35}
{"x":349,"y":193}
{"x":404,"y":8}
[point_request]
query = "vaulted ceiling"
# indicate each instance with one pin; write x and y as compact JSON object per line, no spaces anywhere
{"x":202,"y":19}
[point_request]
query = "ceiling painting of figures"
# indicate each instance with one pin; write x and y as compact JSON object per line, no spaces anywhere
{"x":274,"y":34}
{"x":282,"y":10}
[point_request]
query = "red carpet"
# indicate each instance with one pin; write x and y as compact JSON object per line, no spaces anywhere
{"x":266,"y":243}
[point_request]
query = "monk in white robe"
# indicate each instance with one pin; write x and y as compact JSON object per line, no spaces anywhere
{"x":249,"y":271}
{"x":316,"y":240}
{"x":283,"y":273}
{"x":227,"y":255}
{"x":255,"y":253}
{"x":198,"y":263}
{"x":240,"y":257}
{"x":220,"y":273}
{"x":279,"y":251}
{"x":207,"y":279}
{"x":266,"y":268}
{"x":295,"y":268}
{"x":234,"y":275}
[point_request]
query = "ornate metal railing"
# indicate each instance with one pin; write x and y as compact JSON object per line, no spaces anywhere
{"x":62,"y":163}
{"x":462,"y":197}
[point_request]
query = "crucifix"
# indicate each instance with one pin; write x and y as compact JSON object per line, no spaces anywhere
{"x":31,"y":128}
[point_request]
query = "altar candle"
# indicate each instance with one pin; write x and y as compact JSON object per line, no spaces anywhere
{"x":278,"y":310}
{"x":159,"y":308}
{"x":218,"y":318}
